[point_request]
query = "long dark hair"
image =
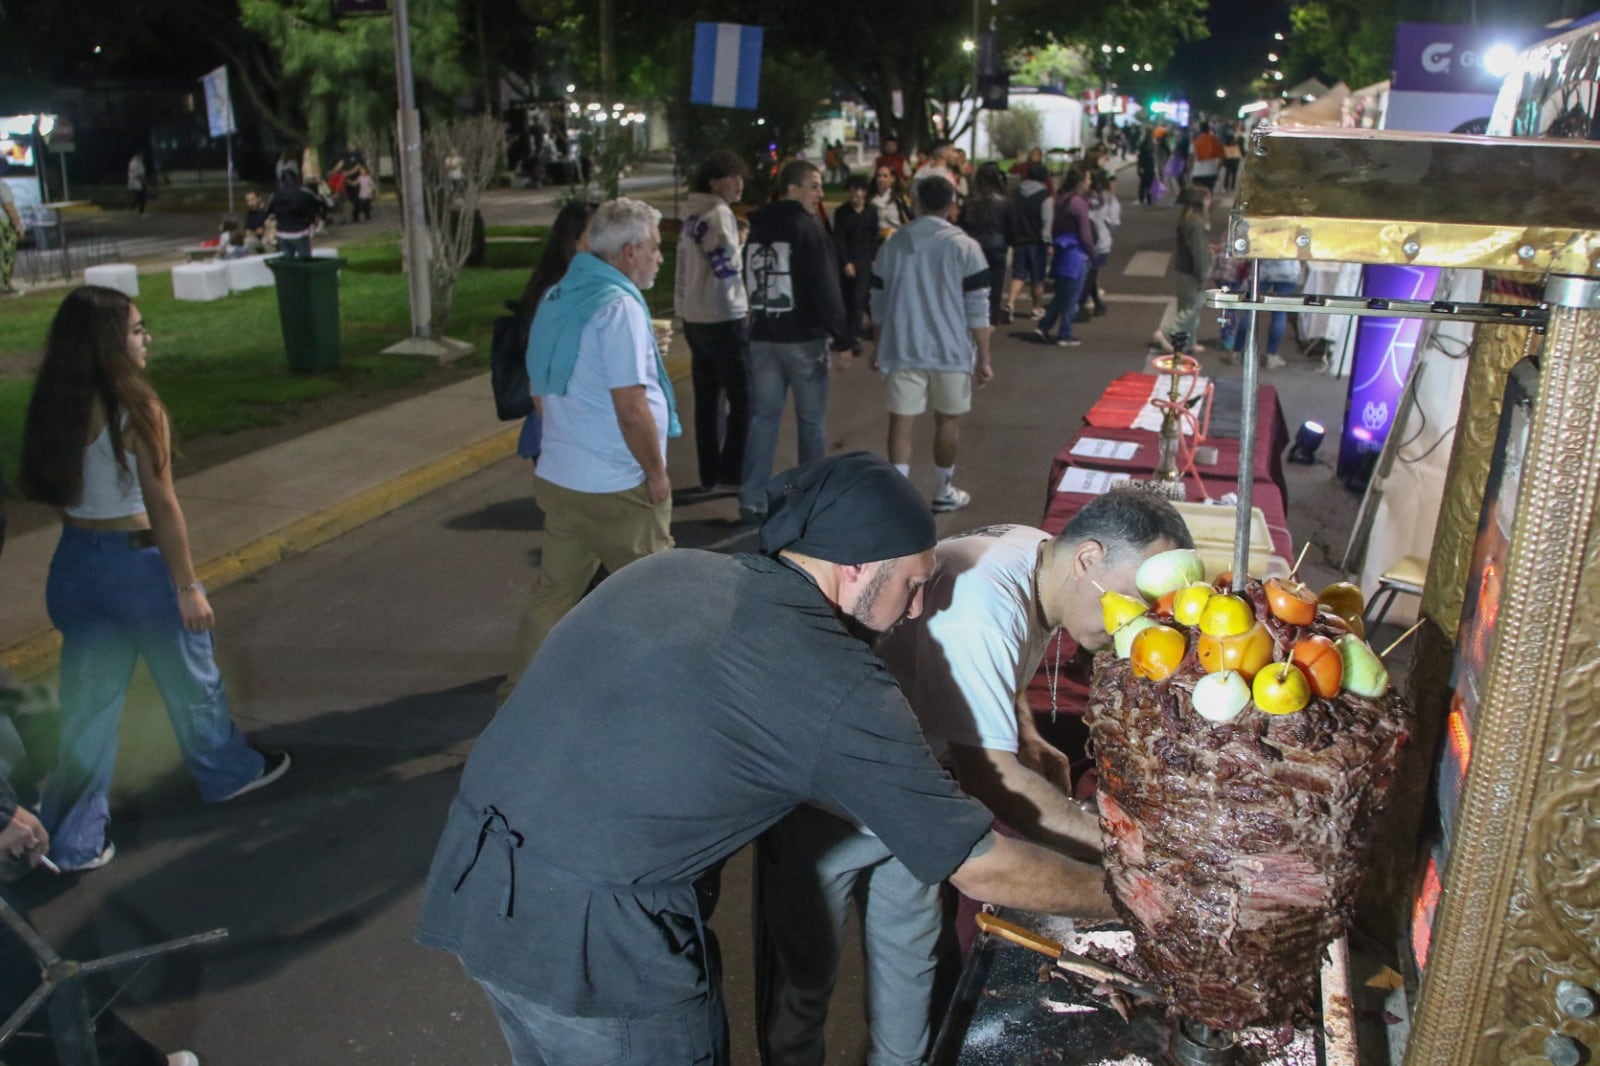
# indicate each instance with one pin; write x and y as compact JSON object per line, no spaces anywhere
{"x":560,"y":247}
{"x":988,"y":199}
{"x":86,"y":360}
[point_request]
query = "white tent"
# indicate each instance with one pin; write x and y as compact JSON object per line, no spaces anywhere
{"x":1063,"y":126}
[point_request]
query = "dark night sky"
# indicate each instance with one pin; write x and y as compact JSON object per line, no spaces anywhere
{"x":1234,"y":54}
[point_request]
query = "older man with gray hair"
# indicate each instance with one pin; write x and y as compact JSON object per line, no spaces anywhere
{"x":595,"y":368}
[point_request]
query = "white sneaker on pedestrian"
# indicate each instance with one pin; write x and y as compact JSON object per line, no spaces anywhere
{"x":107,"y":853}
{"x":1276,"y":362}
{"x":951,"y":499}
{"x":1038,"y":313}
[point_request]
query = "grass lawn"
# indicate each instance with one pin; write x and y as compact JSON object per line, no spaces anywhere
{"x":220,"y":366}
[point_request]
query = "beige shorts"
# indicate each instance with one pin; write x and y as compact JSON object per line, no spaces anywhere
{"x":912,"y":391}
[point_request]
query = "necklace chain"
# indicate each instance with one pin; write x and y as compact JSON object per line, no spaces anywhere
{"x":1055,"y":674}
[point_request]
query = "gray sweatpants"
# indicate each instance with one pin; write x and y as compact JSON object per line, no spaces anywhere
{"x":810,"y":867}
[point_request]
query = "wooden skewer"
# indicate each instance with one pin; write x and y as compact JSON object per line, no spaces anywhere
{"x":1295,"y":569}
{"x":1097,"y":585}
{"x":1401,"y":639}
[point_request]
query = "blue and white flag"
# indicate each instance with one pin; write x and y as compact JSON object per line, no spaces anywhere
{"x":727,"y":65}
{"x":219,"y":103}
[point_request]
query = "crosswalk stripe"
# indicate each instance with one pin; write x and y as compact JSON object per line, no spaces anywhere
{"x":1137,"y":298}
{"x":1148,"y":265}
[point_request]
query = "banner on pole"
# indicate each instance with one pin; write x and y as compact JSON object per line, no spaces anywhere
{"x":219,"y":104}
{"x":727,"y":65}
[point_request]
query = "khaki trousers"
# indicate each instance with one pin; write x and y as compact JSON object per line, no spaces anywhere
{"x":583,"y":532}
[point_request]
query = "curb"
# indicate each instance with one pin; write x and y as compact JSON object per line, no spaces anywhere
{"x":35,"y":655}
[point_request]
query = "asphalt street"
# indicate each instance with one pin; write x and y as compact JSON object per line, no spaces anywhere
{"x":374,"y":660}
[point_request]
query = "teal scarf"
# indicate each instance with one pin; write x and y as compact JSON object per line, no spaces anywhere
{"x":589,"y":284}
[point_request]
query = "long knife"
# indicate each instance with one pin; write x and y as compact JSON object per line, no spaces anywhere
{"x":1070,"y":961}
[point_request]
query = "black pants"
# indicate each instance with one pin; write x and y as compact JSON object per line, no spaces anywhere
{"x":1147,"y":178}
{"x":855,"y":297}
{"x":720,"y":365}
{"x":1230,"y":173}
{"x":996,"y":258}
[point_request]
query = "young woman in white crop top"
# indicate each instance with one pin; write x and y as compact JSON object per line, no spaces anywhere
{"x":122,"y":584}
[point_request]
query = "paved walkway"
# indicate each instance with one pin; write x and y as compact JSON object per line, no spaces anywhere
{"x":249,"y":513}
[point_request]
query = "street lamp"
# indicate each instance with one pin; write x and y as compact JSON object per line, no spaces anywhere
{"x":1272,"y":57}
{"x":969,"y":46}
{"x":1221,"y":93}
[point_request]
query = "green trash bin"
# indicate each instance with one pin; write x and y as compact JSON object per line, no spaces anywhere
{"x":308,"y":308}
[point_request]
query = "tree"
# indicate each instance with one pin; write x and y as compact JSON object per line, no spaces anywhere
{"x":340,"y":72}
{"x":1014,"y":130}
{"x":459,"y":159}
{"x":1341,"y":40}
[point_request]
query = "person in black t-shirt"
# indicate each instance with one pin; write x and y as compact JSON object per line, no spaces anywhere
{"x":684,"y":707}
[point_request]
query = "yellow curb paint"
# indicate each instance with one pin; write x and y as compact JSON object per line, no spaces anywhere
{"x":37,"y":654}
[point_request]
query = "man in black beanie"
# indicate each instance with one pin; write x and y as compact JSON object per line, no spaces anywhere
{"x":680,"y":710}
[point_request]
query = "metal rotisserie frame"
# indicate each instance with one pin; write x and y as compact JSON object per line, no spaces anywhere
{"x":1520,"y":911}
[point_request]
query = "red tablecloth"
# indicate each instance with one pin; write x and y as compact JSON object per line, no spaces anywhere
{"x":1113,"y":413}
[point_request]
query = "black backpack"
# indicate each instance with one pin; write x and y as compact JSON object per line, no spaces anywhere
{"x":508,"y":364}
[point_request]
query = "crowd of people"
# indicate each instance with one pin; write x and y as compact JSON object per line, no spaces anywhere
{"x":852,"y":694}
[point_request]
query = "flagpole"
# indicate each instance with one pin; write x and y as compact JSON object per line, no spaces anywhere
{"x":230,"y":171}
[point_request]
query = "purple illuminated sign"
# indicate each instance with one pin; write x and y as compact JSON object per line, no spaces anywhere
{"x":1450,"y":58}
{"x":1383,"y":351}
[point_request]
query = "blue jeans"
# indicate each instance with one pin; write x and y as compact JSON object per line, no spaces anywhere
{"x":295,"y":247}
{"x":774,"y":370}
{"x":114,"y":603}
{"x":539,"y":1036}
{"x":1064,"y":305}
{"x":1280,"y":319}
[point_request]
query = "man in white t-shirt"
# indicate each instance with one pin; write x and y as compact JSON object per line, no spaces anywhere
{"x":1000,"y":594}
{"x":608,"y":409}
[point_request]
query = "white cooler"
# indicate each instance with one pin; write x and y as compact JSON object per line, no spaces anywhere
{"x":124,"y":277}
{"x":249,"y":272}
{"x":200,"y":281}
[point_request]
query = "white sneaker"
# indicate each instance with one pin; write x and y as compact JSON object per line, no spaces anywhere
{"x":1276,"y":362}
{"x":1038,"y":313}
{"x":952,"y":499}
{"x":106,"y":854}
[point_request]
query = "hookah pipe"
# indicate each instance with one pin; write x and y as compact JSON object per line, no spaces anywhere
{"x":1178,"y":449}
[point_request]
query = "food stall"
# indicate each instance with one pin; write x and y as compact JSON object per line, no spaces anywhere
{"x":1479,"y":876}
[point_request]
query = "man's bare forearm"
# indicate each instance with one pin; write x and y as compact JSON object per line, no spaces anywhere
{"x":1015,"y":873}
{"x":1025,"y":801}
{"x":638,"y":426}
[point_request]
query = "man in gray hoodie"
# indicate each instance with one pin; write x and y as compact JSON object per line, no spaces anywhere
{"x":930,"y":296}
{"x":710,"y":298}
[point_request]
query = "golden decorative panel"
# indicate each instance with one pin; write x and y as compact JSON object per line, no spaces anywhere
{"x":1447,"y":200}
{"x":1522,"y":905}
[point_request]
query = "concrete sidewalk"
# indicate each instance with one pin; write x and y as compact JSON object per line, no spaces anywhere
{"x":256,"y":510}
